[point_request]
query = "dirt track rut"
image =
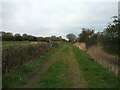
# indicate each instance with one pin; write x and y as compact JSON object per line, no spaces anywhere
{"x":77,"y":80}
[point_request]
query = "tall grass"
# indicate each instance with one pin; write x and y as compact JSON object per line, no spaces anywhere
{"x":95,"y":75}
{"x":99,"y":55}
{"x":108,"y":61}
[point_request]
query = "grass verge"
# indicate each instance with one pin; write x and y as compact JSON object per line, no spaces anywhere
{"x":55,"y":77}
{"x":95,"y":75}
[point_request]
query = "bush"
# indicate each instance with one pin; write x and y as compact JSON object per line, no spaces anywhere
{"x":88,"y":36}
{"x":14,"y":56}
{"x":110,"y":39}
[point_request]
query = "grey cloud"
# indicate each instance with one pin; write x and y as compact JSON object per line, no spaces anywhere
{"x":50,"y":17}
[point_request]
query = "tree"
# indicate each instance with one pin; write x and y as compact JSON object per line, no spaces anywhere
{"x":71,"y":37}
{"x":110,"y":38}
{"x":41,"y":39}
{"x":7,"y":36}
{"x":25,"y":36}
{"x":17,"y":37}
{"x":88,"y":36}
{"x":32,"y":38}
{"x":53,"y":38}
{"x":60,"y":37}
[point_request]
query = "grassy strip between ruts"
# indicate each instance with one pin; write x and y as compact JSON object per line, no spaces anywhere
{"x":21,"y":76}
{"x":95,"y":75}
{"x":57,"y":75}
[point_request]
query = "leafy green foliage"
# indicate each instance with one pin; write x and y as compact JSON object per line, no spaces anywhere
{"x":110,"y":38}
{"x":7,"y":36}
{"x":17,"y":37}
{"x":25,"y":36}
{"x":71,"y":37}
{"x":88,"y":36}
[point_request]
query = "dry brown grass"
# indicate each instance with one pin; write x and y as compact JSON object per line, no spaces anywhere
{"x":100,"y":56}
{"x":81,"y":45}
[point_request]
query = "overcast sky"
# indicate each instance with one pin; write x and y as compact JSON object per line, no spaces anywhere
{"x":55,"y":17}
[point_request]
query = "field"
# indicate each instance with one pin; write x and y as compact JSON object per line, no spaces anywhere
{"x":14,"y":43}
{"x":63,"y":67}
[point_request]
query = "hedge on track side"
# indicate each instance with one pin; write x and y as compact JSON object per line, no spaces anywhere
{"x":14,"y":56}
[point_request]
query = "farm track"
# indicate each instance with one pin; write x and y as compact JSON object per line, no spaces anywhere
{"x":64,"y":67}
{"x":76,"y":80}
{"x":42,"y":70}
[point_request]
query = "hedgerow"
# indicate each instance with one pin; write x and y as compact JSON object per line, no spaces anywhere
{"x":14,"y":56}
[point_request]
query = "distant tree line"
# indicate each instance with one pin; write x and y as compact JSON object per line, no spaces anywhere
{"x":87,"y":36}
{"x":7,"y":36}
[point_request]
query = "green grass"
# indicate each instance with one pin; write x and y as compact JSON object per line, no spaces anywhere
{"x":19,"y":77}
{"x":14,"y":43}
{"x":94,"y":74}
{"x":58,"y":76}
{"x":55,"y":77}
